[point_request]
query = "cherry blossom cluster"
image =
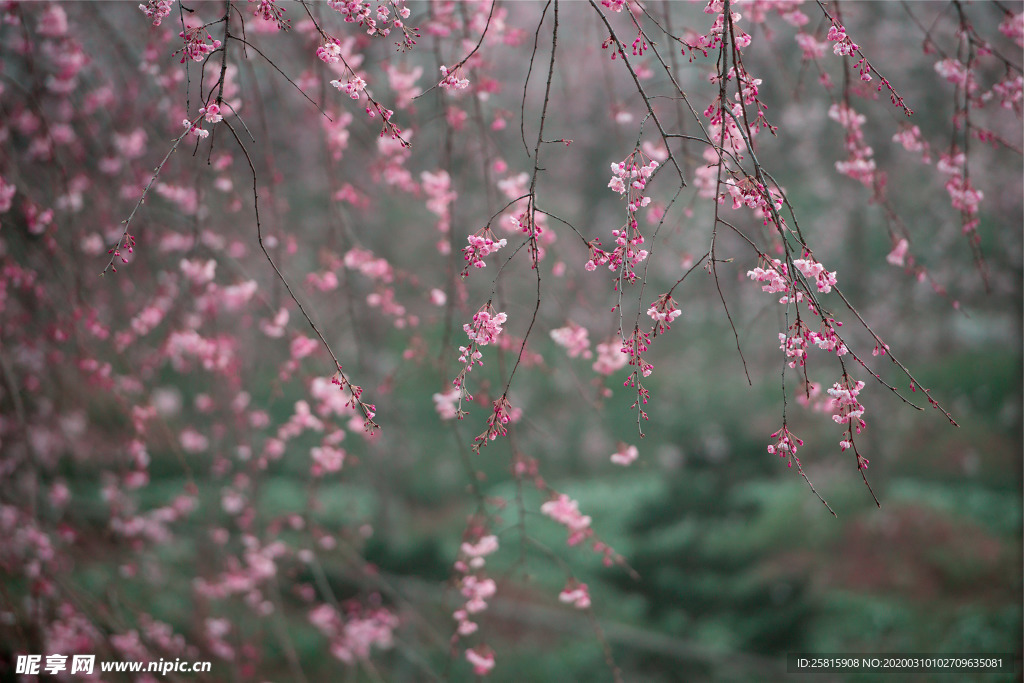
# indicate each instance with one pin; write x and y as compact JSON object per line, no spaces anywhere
{"x":1009,"y":91}
{"x":843,"y":46}
{"x":778,"y":279}
{"x":957,"y":73}
{"x":486,"y":326}
{"x":1013,"y":27}
{"x":447,"y":404}
{"x":610,"y":358}
{"x":353,"y":87}
{"x":663,"y":311}
{"x":453,"y":80}
{"x":634,"y":347}
{"x":482,"y":243}
{"x":626,"y":455}
{"x":482,"y":659}
{"x":910,"y":138}
{"x":502,"y":414}
{"x":440,"y":197}
{"x":575,"y":594}
{"x":473,"y":583}
{"x":848,"y":411}
{"x":157,"y":10}
{"x":861,"y":163}
{"x":630,"y":177}
{"x":485,"y":329}
{"x":575,"y":339}
{"x":962,"y":193}
{"x":355,"y":633}
{"x":624,"y":259}
{"x":268,"y":11}
{"x":763,"y":201}
{"x":566,"y":511}
{"x":196,"y":46}
{"x":378,"y":21}
{"x":785,"y":444}
{"x":330,"y":51}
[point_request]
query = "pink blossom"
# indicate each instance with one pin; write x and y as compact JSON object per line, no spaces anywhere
{"x":477,"y":591}
{"x":275,"y":328}
{"x":609,"y":358}
{"x":453,"y":80}
{"x":625,"y":455}
{"x":327,"y":458}
{"x":302,"y":347}
{"x":812,"y":47}
{"x":53,"y":23}
{"x":481,"y":244}
{"x":158,"y":10}
{"x":447,"y":404}
{"x":1010,"y":91}
{"x":198,"y":272}
{"x":574,"y":338}
{"x":1013,"y":27}
{"x":235,"y":297}
{"x":897,"y":257}
{"x":476,"y":552}
{"x":485,"y":328}
{"x":353,"y":87}
{"x":7,"y":191}
{"x":957,"y":73}
{"x":481,"y":659}
{"x":565,"y":511}
{"x":843,"y":45}
{"x":575,"y":594}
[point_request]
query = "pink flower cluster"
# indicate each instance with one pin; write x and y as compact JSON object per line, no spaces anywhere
{"x":898,"y":255}
{"x":447,"y":404}
{"x":861,"y":163}
{"x":353,"y":87}
{"x":957,"y":73}
{"x":609,"y":357}
{"x":566,"y":511}
{"x":848,"y":410}
{"x":786,"y":443}
{"x":910,"y":138}
{"x":626,"y":455}
{"x":845,"y":404}
{"x":626,"y":256}
{"x":1013,"y":27}
{"x":962,"y":193}
{"x":630,"y":178}
{"x":196,"y":48}
{"x":486,"y":327}
{"x":664,"y":311}
{"x":502,"y":414}
{"x":352,"y":636}
{"x":482,"y":659}
{"x":812,"y":270}
{"x":453,"y":80}
{"x":843,"y":45}
{"x":157,"y":10}
{"x":811,"y":46}
{"x":575,"y":594}
{"x":482,"y":243}
{"x":377,"y":21}
{"x":574,"y":338}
